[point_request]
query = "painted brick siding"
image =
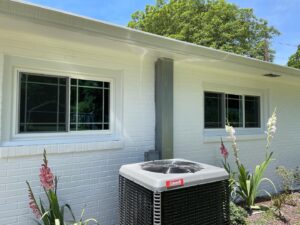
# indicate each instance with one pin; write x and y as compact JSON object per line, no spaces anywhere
{"x":189,"y":138}
{"x":86,"y":178}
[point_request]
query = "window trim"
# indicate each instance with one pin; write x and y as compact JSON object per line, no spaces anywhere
{"x":69,"y":134}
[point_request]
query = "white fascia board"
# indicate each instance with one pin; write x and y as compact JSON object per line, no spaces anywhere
{"x":47,"y":16}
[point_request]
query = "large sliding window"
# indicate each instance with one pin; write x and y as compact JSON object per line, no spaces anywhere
{"x":61,"y":104}
{"x":237,"y":110}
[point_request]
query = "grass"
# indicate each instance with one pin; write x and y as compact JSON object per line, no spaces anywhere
{"x":265,"y":218}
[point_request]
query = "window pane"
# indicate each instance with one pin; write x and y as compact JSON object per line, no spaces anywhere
{"x":74,"y":81}
{"x":90,"y":83}
{"x":42,"y":103}
{"x":106,"y":106}
{"x":106,"y":84}
{"x":234,"y":110}
{"x":73,"y":104}
{"x":252,"y":111}
{"x":22,"y":102}
{"x":89,"y":105}
{"x":32,"y":78}
{"x":62,"y":104}
{"x":213,"y":110}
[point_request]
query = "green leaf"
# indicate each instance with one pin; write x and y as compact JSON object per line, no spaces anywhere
{"x":45,"y":217}
{"x":294,"y":60}
{"x":248,"y":185}
{"x":70,"y":210}
{"x":217,"y":24}
{"x":90,"y":220}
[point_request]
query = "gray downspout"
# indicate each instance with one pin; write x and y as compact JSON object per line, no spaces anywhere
{"x":163,"y":110}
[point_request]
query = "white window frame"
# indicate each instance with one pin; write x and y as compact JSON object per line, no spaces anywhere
{"x":243,"y":109}
{"x":69,"y":77}
{"x":88,"y":134}
{"x":237,"y":90}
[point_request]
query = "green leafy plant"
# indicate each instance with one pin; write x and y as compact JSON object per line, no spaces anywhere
{"x":247,"y":184}
{"x":51,"y":213}
{"x":297,"y":175}
{"x":277,"y":202}
{"x":80,"y":222}
{"x":84,"y":222}
{"x":289,"y":178}
{"x":212,"y":23}
{"x":228,"y":169}
{"x":294,"y":60}
{"x":238,"y":215}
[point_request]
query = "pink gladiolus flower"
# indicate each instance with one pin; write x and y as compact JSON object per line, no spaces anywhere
{"x":46,"y":176}
{"x":32,"y":203}
{"x":224,"y":150}
{"x":35,"y":209}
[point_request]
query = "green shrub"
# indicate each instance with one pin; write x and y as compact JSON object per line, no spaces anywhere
{"x":277,"y":203}
{"x":238,"y":215}
{"x":290,"y":178}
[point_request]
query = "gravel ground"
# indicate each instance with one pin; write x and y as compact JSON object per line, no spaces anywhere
{"x":268,"y":217}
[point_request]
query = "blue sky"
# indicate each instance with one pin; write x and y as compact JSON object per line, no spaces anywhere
{"x":282,"y":14}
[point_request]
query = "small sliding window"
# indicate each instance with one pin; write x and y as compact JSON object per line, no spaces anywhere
{"x":60,"y":104}
{"x":238,"y":110}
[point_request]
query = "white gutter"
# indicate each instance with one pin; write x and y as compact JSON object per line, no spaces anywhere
{"x":44,"y":15}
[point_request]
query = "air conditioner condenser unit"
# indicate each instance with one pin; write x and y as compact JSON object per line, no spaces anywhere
{"x":173,"y":192}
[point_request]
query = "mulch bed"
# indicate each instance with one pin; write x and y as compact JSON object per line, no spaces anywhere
{"x":268,"y":217}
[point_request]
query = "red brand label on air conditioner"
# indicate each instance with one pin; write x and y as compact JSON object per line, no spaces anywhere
{"x":174,"y":183}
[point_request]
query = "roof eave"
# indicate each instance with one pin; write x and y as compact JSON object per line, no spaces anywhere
{"x":39,"y":14}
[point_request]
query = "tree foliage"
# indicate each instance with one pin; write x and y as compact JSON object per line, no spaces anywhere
{"x":294,"y":60}
{"x":212,"y":23}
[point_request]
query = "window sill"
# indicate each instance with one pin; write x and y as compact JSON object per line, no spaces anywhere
{"x":249,"y":137}
{"x":20,"y":148}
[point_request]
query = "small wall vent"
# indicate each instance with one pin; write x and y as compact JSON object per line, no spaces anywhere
{"x":272,"y":75}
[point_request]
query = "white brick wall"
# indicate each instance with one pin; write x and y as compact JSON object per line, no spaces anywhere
{"x":189,"y":138}
{"x":88,"y":172}
{"x":89,"y":178}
